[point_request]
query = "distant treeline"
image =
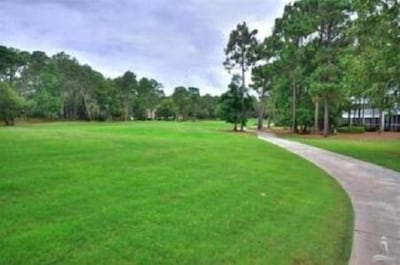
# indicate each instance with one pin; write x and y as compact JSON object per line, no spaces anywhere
{"x":35,"y":85}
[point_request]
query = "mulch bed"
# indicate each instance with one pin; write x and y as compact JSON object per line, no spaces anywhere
{"x":282,"y":132}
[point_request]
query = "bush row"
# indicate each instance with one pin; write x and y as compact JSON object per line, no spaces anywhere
{"x":351,"y":129}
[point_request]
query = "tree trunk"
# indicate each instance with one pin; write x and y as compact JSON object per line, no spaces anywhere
{"x":126,"y":110}
{"x":9,"y":121}
{"x":382,"y":121}
{"x":242,"y":125}
{"x":363,"y":113}
{"x":261,"y":111}
{"x":243,"y":90}
{"x":373,"y":118}
{"x":294,"y":107}
{"x":75,"y":107}
{"x":62,"y":108}
{"x":304,"y":129}
{"x":326,"y":117}
{"x":243,"y":75}
{"x":87,"y":107}
{"x":316,"y":115}
{"x":260,"y":122}
{"x":10,"y":80}
{"x":273,"y":113}
{"x":350,"y":118}
{"x":390,"y":120}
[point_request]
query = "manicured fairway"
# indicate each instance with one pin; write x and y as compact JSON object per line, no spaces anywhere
{"x":381,"y":152}
{"x":163,"y":193}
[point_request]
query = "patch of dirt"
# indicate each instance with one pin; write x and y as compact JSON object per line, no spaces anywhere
{"x":282,"y":132}
{"x":245,"y":133}
{"x":370,"y":136}
{"x":33,"y":121}
{"x":278,"y":131}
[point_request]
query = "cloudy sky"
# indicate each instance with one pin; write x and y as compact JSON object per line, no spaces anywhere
{"x":177,"y":42}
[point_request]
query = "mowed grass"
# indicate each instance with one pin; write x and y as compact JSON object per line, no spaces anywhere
{"x":163,"y":193}
{"x":382,"y":152}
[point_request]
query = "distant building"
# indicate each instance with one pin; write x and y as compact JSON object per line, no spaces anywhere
{"x":370,"y":118}
{"x":151,"y":114}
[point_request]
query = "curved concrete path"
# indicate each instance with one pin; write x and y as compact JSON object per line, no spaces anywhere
{"x":375,"y":194}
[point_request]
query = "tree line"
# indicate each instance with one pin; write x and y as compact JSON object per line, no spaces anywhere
{"x":58,"y":87}
{"x":323,"y":58}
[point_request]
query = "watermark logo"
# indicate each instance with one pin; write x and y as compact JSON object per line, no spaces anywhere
{"x":384,"y":255}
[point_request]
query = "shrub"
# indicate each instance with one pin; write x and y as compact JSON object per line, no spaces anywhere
{"x":351,"y":129}
{"x":372,"y":129}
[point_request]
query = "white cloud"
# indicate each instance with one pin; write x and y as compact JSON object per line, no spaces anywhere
{"x":175,"y":42}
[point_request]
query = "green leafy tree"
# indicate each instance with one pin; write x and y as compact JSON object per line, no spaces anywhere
{"x":231,"y":107}
{"x":181,"y":100}
{"x":167,"y":109}
{"x":60,"y":81}
{"x":148,"y":97}
{"x":11,"y":104}
{"x":378,"y":53}
{"x":12,"y":63}
{"x":292,"y":29}
{"x":331,"y":19}
{"x":241,"y":54}
{"x":194,"y":101}
{"x":127,"y":90}
{"x":208,"y":106}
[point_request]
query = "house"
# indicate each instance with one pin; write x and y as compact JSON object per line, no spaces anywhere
{"x":370,"y":118}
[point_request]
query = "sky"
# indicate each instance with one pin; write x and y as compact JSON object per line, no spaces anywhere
{"x":176,"y":42}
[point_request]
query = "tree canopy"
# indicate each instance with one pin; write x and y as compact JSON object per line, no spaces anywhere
{"x":341,"y":53}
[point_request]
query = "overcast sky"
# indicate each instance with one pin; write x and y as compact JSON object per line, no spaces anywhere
{"x":177,"y":42}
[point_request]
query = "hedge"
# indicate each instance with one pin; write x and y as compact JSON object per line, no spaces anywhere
{"x":351,"y":129}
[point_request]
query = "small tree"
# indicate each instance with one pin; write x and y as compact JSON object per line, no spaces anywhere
{"x":241,"y":53}
{"x":167,"y":109}
{"x":10,"y":104}
{"x":194,"y":101}
{"x":235,"y":104}
{"x":181,"y":100}
{"x":127,"y":86}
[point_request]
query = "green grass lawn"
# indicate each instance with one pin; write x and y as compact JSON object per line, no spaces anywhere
{"x":381,"y":152}
{"x":163,"y":193}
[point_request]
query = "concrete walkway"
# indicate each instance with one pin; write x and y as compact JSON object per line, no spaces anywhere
{"x":375,"y":194}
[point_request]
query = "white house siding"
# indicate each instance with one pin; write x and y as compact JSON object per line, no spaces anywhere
{"x":370,"y":118}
